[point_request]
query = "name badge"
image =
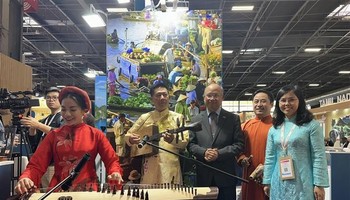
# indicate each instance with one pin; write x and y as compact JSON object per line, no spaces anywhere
{"x":286,"y":168}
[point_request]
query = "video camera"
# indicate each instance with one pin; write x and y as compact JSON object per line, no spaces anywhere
{"x":16,"y":100}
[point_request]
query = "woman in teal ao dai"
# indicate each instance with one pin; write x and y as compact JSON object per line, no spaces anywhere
{"x":301,"y":136}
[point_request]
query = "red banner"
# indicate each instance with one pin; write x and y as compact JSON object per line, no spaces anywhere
{"x":30,"y":6}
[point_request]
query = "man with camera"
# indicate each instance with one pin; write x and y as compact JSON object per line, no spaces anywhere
{"x":255,"y":132}
{"x":39,"y":129}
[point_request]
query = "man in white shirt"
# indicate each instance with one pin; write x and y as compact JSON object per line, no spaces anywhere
{"x":194,"y":110}
{"x":169,"y":59}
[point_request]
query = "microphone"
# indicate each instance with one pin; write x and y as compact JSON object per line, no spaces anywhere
{"x":75,"y":172}
{"x":196,"y":126}
{"x":143,"y":141}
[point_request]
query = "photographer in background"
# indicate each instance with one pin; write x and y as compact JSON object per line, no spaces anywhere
{"x":38,"y":129}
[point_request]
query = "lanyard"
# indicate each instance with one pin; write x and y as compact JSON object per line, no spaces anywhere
{"x":47,"y":119}
{"x":284,"y":142}
{"x":53,"y":117}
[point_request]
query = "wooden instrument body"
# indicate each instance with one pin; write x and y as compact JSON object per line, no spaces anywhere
{"x":153,"y":194}
{"x":146,"y":150}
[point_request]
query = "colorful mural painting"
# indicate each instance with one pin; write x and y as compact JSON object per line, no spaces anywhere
{"x":180,"y":49}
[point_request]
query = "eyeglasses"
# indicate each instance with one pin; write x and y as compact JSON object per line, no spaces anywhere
{"x":291,"y":101}
{"x":54,"y":98}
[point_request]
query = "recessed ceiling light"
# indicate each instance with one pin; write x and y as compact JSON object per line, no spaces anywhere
{"x":27,"y":53}
{"x":248,"y":94}
{"x":278,"y":72}
{"x":30,"y":22}
{"x":115,"y":10}
{"x":253,"y":49}
{"x":242,"y":8}
{"x":123,"y":1}
{"x":314,"y":85}
{"x":227,"y":51}
{"x":312,"y":49}
{"x":261,"y":85}
{"x":90,"y":75}
{"x":340,"y":11}
{"x":94,"y":20}
{"x":60,"y":86}
{"x":344,"y":72}
{"x":57,"y":52}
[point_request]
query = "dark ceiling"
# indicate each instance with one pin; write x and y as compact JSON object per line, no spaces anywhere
{"x":282,"y":29}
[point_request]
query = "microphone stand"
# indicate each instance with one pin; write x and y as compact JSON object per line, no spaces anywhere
{"x":66,"y":183}
{"x":195,"y":126}
{"x":197,"y":162}
{"x":71,"y":175}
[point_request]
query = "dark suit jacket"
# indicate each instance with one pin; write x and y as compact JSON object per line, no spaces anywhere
{"x":229,"y":140}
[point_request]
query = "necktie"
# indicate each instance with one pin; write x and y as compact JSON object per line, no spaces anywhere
{"x":213,"y":124}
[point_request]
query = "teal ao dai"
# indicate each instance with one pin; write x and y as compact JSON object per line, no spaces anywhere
{"x":306,"y":147}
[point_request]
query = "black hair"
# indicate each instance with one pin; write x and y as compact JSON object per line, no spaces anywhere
{"x":89,"y":119}
{"x":77,"y":98}
{"x":121,"y":115}
{"x":269,"y":94}
{"x":158,"y":85}
{"x":303,"y":115}
{"x":52,"y":89}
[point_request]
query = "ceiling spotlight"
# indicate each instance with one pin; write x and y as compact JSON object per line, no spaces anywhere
{"x":344,"y":72}
{"x":123,"y":1}
{"x":242,"y":8}
{"x":314,"y":85}
{"x":27,"y":53}
{"x":57,"y":52}
{"x":90,"y":75}
{"x":312,"y":50}
{"x":93,"y":18}
{"x":116,"y":10}
{"x":227,"y":51}
{"x":248,"y":94}
{"x":261,"y":85}
{"x":278,"y":72}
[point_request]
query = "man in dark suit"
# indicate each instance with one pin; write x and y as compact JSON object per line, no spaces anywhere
{"x":217,"y":144}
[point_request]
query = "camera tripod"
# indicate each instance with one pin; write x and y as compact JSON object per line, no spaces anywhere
{"x":20,"y":144}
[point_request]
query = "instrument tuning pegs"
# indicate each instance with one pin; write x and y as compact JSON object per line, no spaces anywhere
{"x":129,"y":191}
{"x":99,"y":188}
{"x":114,"y":191}
{"x":146,"y":196}
{"x":122,"y":191}
{"x":142,"y":196}
{"x":108,"y":189}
